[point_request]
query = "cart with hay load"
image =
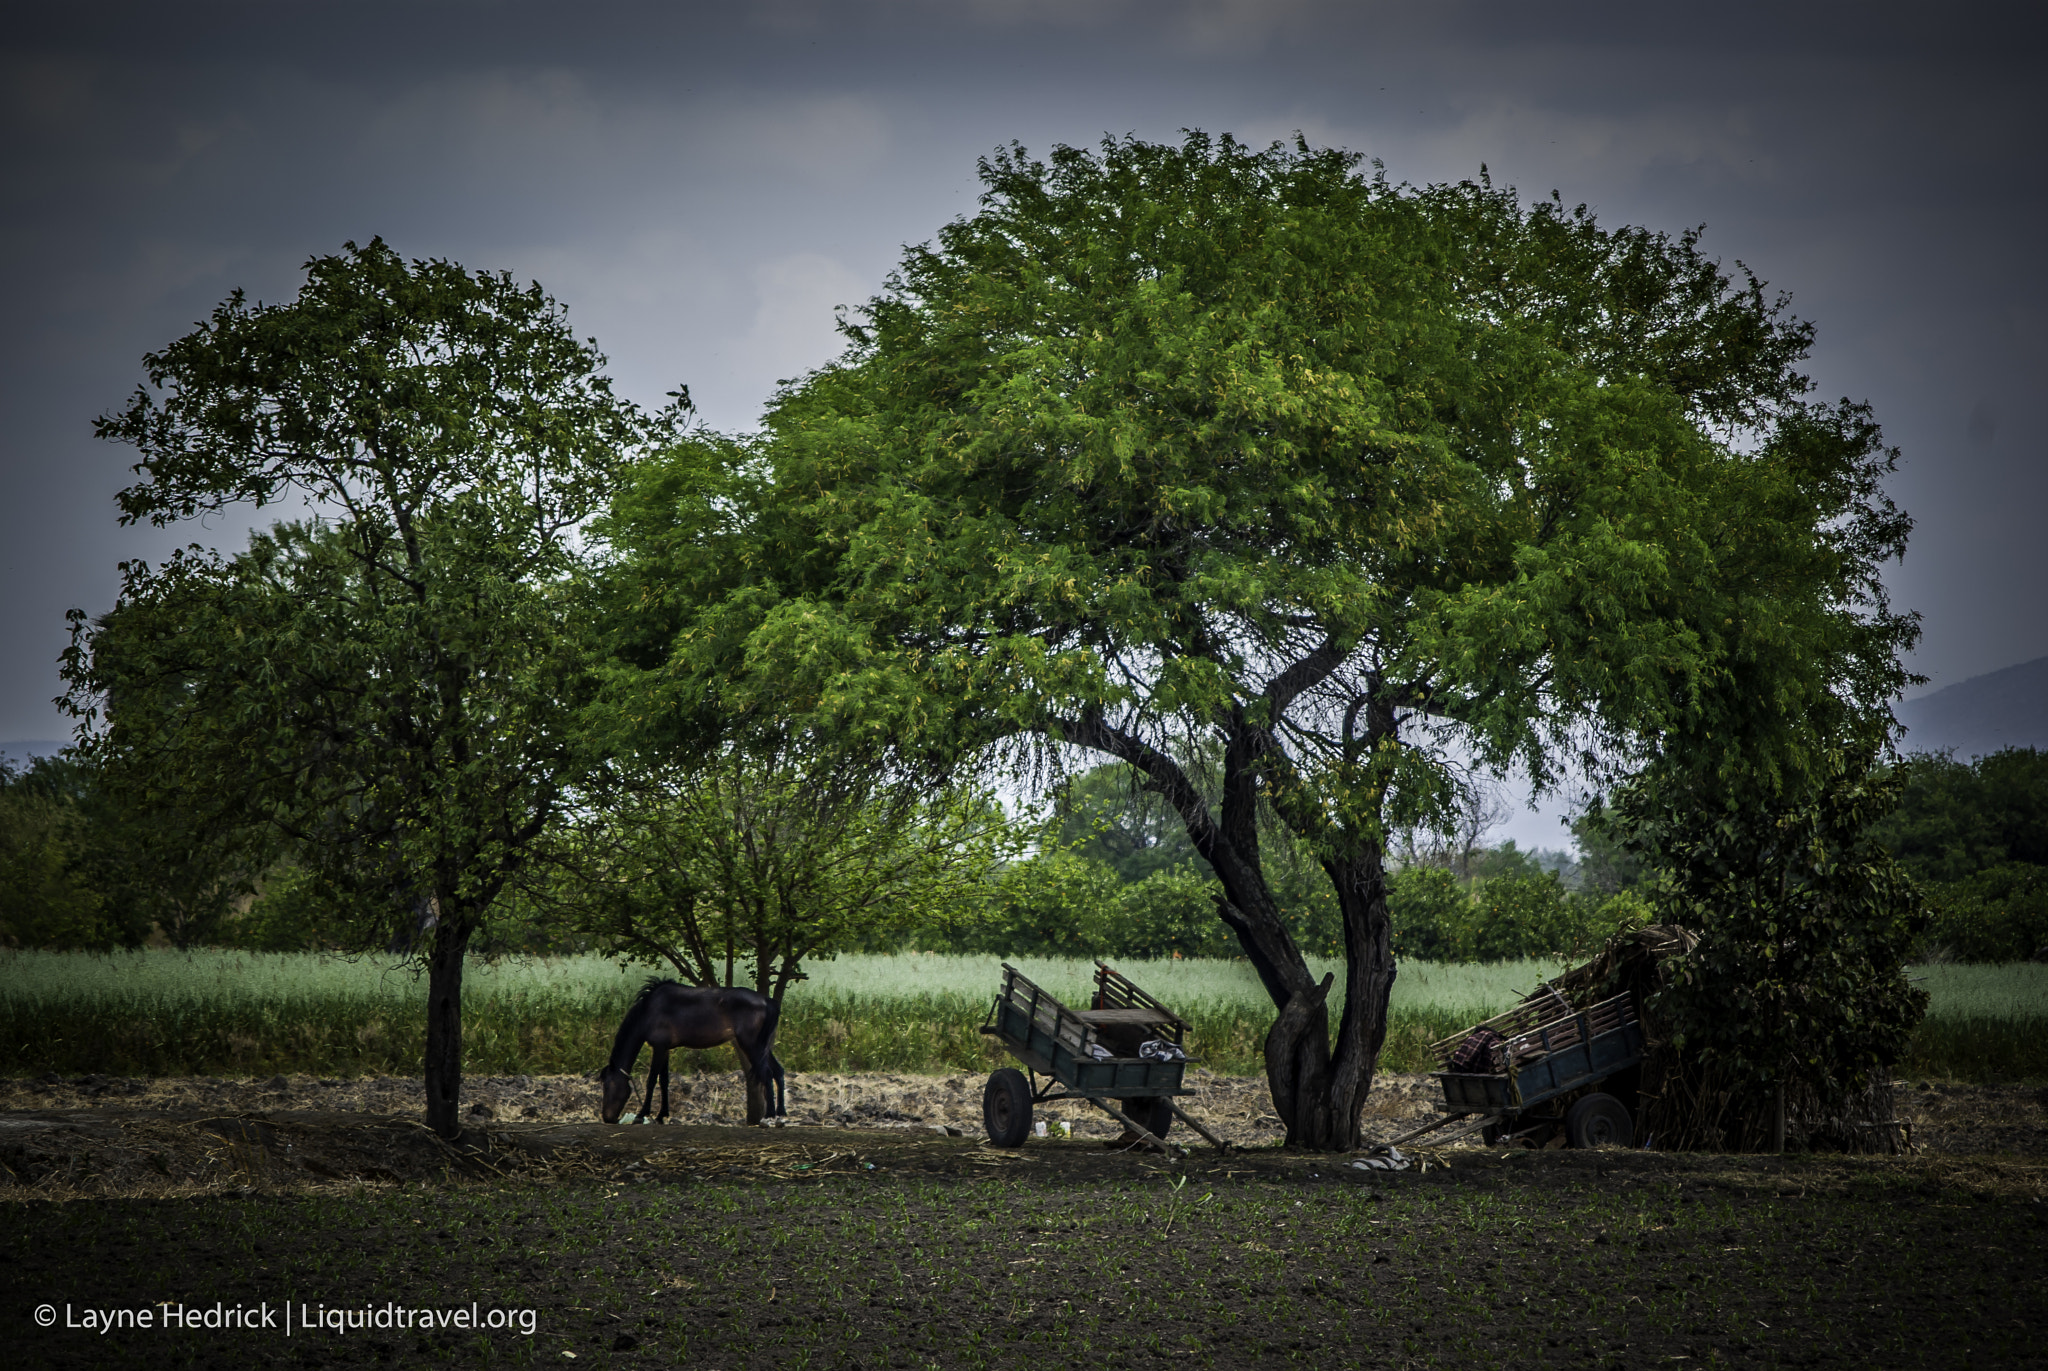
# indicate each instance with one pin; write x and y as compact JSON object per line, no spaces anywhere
{"x":1126,"y":1055}
{"x":1534,"y":1074}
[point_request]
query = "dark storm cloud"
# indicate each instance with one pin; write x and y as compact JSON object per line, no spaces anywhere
{"x":702,"y":184}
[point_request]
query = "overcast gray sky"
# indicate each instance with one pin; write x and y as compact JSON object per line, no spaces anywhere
{"x":702,"y":184}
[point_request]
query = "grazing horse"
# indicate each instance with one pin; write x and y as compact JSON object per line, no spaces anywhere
{"x":666,"y":1015}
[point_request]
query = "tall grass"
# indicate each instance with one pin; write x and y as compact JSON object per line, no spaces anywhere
{"x":255,"y":1014}
{"x":1984,"y":1023}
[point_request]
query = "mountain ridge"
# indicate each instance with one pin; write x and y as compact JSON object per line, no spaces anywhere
{"x":2003,"y":708}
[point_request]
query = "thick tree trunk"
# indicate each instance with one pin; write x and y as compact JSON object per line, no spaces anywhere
{"x":444,"y":1025}
{"x":1319,"y":1091}
{"x":1369,"y":972}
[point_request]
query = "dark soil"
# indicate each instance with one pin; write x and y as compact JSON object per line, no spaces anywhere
{"x":901,"y":1245}
{"x":1944,"y":1117}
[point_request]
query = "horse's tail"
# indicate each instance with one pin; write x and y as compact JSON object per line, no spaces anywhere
{"x":770,"y":1021}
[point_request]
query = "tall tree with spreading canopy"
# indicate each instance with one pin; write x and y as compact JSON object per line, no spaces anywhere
{"x":390,"y":687}
{"x":1196,"y":449}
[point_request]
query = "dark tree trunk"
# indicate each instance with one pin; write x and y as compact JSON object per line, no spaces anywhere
{"x":1318,"y":1091}
{"x":444,"y":1024}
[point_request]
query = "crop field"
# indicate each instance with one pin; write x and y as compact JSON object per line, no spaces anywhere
{"x":163,"y":1013}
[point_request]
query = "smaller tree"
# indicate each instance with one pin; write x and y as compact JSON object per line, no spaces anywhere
{"x":389,"y":690}
{"x":86,"y":864}
{"x":750,"y":866}
{"x":1796,"y":992}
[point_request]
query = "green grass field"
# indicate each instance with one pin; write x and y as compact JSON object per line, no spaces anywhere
{"x":235,"y":1013}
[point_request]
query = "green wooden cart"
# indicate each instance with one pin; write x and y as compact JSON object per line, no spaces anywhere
{"x":1125,"y":1054}
{"x":1539,"y":1073}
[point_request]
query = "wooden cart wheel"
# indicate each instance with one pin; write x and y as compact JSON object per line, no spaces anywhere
{"x":1151,"y":1111}
{"x":1006,"y":1107}
{"x":1599,"y":1120}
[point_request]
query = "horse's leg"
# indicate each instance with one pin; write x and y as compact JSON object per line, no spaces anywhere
{"x":654,"y":1068}
{"x":758,"y":1060}
{"x":661,"y":1065}
{"x":781,"y":1109}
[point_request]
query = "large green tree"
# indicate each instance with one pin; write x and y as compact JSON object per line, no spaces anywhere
{"x":390,"y":687}
{"x":1207,"y":450}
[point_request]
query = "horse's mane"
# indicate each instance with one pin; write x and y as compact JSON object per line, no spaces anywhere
{"x":653,"y":984}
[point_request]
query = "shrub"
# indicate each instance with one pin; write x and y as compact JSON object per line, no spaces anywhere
{"x":1996,"y":915}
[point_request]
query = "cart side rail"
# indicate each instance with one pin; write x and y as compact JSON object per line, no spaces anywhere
{"x":1043,"y":1012}
{"x":1570,"y":1030}
{"x":1114,"y":990}
{"x":1539,"y":1009}
{"x":1550,"y":1059}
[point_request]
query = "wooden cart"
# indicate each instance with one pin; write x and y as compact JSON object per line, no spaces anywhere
{"x":1099,"y":1054}
{"x":1547,"y":1051}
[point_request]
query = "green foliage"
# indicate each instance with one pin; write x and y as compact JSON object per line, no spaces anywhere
{"x":87,"y":864}
{"x":1504,"y":918}
{"x":292,"y":912}
{"x":1107,"y":815}
{"x":1999,"y":914}
{"x":1976,"y":836}
{"x":46,"y":899}
{"x":388,"y":690}
{"x":1805,"y":925}
{"x":1061,"y":903}
{"x":750,"y":866}
{"x":1524,"y":916}
{"x":1431,"y":914}
{"x":1607,"y":865}
{"x":1200,"y":450}
{"x":1958,"y":818}
{"x":1055,"y":904}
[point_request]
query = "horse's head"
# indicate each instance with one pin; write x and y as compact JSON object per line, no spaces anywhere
{"x":618,"y":1088}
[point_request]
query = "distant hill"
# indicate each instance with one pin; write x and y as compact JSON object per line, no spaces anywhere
{"x":21,"y":753}
{"x":2006,"y":708}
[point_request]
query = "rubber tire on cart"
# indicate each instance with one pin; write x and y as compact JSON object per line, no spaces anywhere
{"x":1006,"y":1108}
{"x":1599,"y":1120}
{"x":1152,"y":1113}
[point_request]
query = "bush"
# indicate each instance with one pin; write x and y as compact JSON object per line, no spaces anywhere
{"x":1529,"y":914}
{"x":1523,"y":916}
{"x":1996,"y":915}
{"x":1431,"y":915}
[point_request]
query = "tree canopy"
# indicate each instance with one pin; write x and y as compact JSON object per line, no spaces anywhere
{"x":1975,"y":834}
{"x":743,"y":867}
{"x":1208,"y":450}
{"x":389,"y":687}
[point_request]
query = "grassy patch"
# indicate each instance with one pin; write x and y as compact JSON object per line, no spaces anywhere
{"x":235,"y":1013}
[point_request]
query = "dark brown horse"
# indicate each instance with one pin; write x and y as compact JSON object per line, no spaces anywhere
{"x":666,"y":1015}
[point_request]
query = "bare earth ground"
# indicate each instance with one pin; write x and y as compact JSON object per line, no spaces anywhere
{"x":101,"y":1135}
{"x":877,"y":1229}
